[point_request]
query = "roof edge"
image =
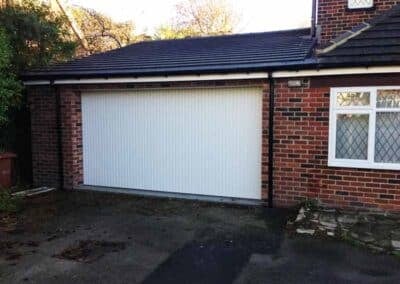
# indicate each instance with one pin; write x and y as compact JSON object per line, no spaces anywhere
{"x":344,"y":37}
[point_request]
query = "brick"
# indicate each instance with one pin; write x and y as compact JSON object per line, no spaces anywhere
{"x":309,"y":174}
{"x":334,"y":17}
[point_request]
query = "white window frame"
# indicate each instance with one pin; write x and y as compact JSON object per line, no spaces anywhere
{"x":351,"y":6}
{"x":371,"y":110}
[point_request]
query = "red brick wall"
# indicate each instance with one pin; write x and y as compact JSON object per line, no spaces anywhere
{"x":301,"y":148}
{"x":334,"y":17}
{"x":42,"y":103}
{"x":45,"y":153}
{"x":301,"y":157}
{"x":264,"y":144}
{"x":71,"y":121}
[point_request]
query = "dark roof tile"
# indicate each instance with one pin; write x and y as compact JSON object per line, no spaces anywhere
{"x":377,"y":45}
{"x":207,"y":54}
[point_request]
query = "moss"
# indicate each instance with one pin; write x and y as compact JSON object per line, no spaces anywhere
{"x":310,"y":204}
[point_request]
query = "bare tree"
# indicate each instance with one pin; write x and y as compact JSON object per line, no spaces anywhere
{"x":101,"y":32}
{"x":200,"y":18}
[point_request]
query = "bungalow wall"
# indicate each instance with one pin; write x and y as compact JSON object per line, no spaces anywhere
{"x":300,"y":151}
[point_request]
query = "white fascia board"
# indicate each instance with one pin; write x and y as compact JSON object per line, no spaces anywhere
{"x":160,"y":79}
{"x":337,"y":71}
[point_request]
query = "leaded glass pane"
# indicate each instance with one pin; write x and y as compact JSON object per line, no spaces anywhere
{"x":388,"y":99}
{"x":352,"y":136}
{"x":345,"y":99}
{"x":358,"y":4}
{"x":387,"y":137}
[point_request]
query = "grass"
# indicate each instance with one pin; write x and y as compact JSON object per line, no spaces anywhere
{"x":9,"y":203}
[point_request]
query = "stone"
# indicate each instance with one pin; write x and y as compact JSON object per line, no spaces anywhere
{"x":305,"y":231}
{"x":315,"y":217}
{"x":384,"y":243}
{"x":366,"y":238}
{"x":329,"y":210}
{"x":354,"y":235}
{"x":301,"y":216}
{"x":395,"y":234}
{"x":290,"y":223}
{"x":375,"y":248}
{"x":328,"y":225}
{"x":347,"y":219}
{"x":378,"y":232}
{"x":396,"y":244}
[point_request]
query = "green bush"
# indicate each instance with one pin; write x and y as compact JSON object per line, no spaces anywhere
{"x":10,"y":88}
{"x":31,"y":36}
{"x":9,"y":203}
{"x":38,"y":36}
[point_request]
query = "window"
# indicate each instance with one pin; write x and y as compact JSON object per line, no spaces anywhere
{"x":360,"y":4}
{"x":364,"y":130}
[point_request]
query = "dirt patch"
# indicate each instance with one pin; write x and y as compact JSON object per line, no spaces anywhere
{"x":8,"y":223}
{"x":14,"y":250}
{"x":90,"y":250}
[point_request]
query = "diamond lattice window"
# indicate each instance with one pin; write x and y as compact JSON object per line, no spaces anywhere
{"x":360,"y":4}
{"x":352,"y":136}
{"x":365,"y":127}
{"x":387,"y":137}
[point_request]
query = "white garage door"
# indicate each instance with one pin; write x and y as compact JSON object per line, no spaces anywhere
{"x":197,"y":141}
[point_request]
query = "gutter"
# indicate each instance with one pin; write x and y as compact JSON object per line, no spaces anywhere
{"x":314,"y":19}
{"x":314,"y":72}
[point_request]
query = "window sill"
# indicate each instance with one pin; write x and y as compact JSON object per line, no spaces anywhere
{"x":372,"y":8}
{"x":363,"y":165}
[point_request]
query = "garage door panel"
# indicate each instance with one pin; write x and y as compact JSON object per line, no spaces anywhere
{"x":198,"y":141}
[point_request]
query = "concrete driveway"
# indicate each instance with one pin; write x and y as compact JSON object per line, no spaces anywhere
{"x":84,"y":237}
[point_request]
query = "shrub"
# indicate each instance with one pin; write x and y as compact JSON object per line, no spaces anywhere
{"x":10,"y":88}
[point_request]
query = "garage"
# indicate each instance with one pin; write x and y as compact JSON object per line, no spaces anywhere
{"x":200,"y":141}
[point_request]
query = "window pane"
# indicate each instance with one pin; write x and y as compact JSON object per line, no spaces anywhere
{"x":359,"y":4}
{"x":352,"y":136}
{"x":387,"y":137}
{"x":388,"y":99}
{"x":345,"y":99}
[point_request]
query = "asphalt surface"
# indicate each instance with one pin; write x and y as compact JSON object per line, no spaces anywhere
{"x":80,"y":237}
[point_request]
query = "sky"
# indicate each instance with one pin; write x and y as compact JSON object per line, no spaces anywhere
{"x":256,"y":15}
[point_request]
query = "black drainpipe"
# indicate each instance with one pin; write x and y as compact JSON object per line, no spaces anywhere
{"x":59,"y":135}
{"x":271,"y":140}
{"x":314,"y":19}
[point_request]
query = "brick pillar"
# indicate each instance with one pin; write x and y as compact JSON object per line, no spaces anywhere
{"x":42,"y":105}
{"x":45,"y":153}
{"x":265,"y":135}
{"x":71,"y":123}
